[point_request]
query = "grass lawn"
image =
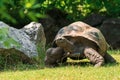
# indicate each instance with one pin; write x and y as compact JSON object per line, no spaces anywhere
{"x":74,"y":70}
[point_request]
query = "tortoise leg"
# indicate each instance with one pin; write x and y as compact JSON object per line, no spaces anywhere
{"x":53,"y":56}
{"x":109,"y":59}
{"x":94,"y":57}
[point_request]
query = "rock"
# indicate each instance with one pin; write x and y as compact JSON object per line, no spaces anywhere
{"x":94,"y":20}
{"x":111,"y":30}
{"x":36,"y":33}
{"x":24,"y":42}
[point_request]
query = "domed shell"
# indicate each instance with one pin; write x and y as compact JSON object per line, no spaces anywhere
{"x":81,"y":29}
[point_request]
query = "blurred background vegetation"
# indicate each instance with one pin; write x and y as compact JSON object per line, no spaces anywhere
{"x":21,"y":12}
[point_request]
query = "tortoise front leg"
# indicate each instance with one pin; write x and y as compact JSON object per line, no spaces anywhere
{"x":94,"y":57}
{"x":53,"y":56}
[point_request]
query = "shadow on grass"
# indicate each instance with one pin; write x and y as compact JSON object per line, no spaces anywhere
{"x":87,"y":64}
{"x":27,"y":67}
{"x":22,"y":67}
{"x":82,"y":64}
{"x":111,"y":64}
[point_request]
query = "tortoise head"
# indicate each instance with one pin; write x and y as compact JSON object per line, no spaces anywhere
{"x":65,"y":44}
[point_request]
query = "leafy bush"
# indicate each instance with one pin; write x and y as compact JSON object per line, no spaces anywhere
{"x":6,"y":41}
{"x":79,"y":9}
{"x":24,"y":11}
{"x":112,"y":7}
{"x":20,"y":11}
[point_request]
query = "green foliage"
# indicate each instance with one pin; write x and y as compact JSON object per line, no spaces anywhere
{"x":20,"y":11}
{"x":6,"y":41}
{"x":41,"y":55}
{"x":24,"y":11}
{"x":3,"y":33}
{"x":2,"y":62}
{"x":112,"y":7}
{"x":79,"y":9}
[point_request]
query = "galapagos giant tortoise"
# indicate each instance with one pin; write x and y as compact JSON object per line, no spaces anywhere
{"x":78,"y":41}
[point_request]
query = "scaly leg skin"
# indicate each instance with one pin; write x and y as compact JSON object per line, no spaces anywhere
{"x":53,"y":56}
{"x":94,"y":57}
{"x":108,"y":58}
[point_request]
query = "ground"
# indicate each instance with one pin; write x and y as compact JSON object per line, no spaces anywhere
{"x":73,"y":70}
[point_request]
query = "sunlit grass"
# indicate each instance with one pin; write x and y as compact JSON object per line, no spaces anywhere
{"x":74,"y":70}
{"x":113,"y":51}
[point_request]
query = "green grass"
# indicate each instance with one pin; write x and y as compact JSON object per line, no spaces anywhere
{"x":74,"y":70}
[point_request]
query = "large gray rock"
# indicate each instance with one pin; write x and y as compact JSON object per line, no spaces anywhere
{"x":26,"y":41}
{"x":111,"y":30}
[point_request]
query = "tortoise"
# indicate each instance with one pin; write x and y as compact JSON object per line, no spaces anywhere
{"x":79,"y":41}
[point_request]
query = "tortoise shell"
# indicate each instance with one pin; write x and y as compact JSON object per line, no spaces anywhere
{"x":81,"y":29}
